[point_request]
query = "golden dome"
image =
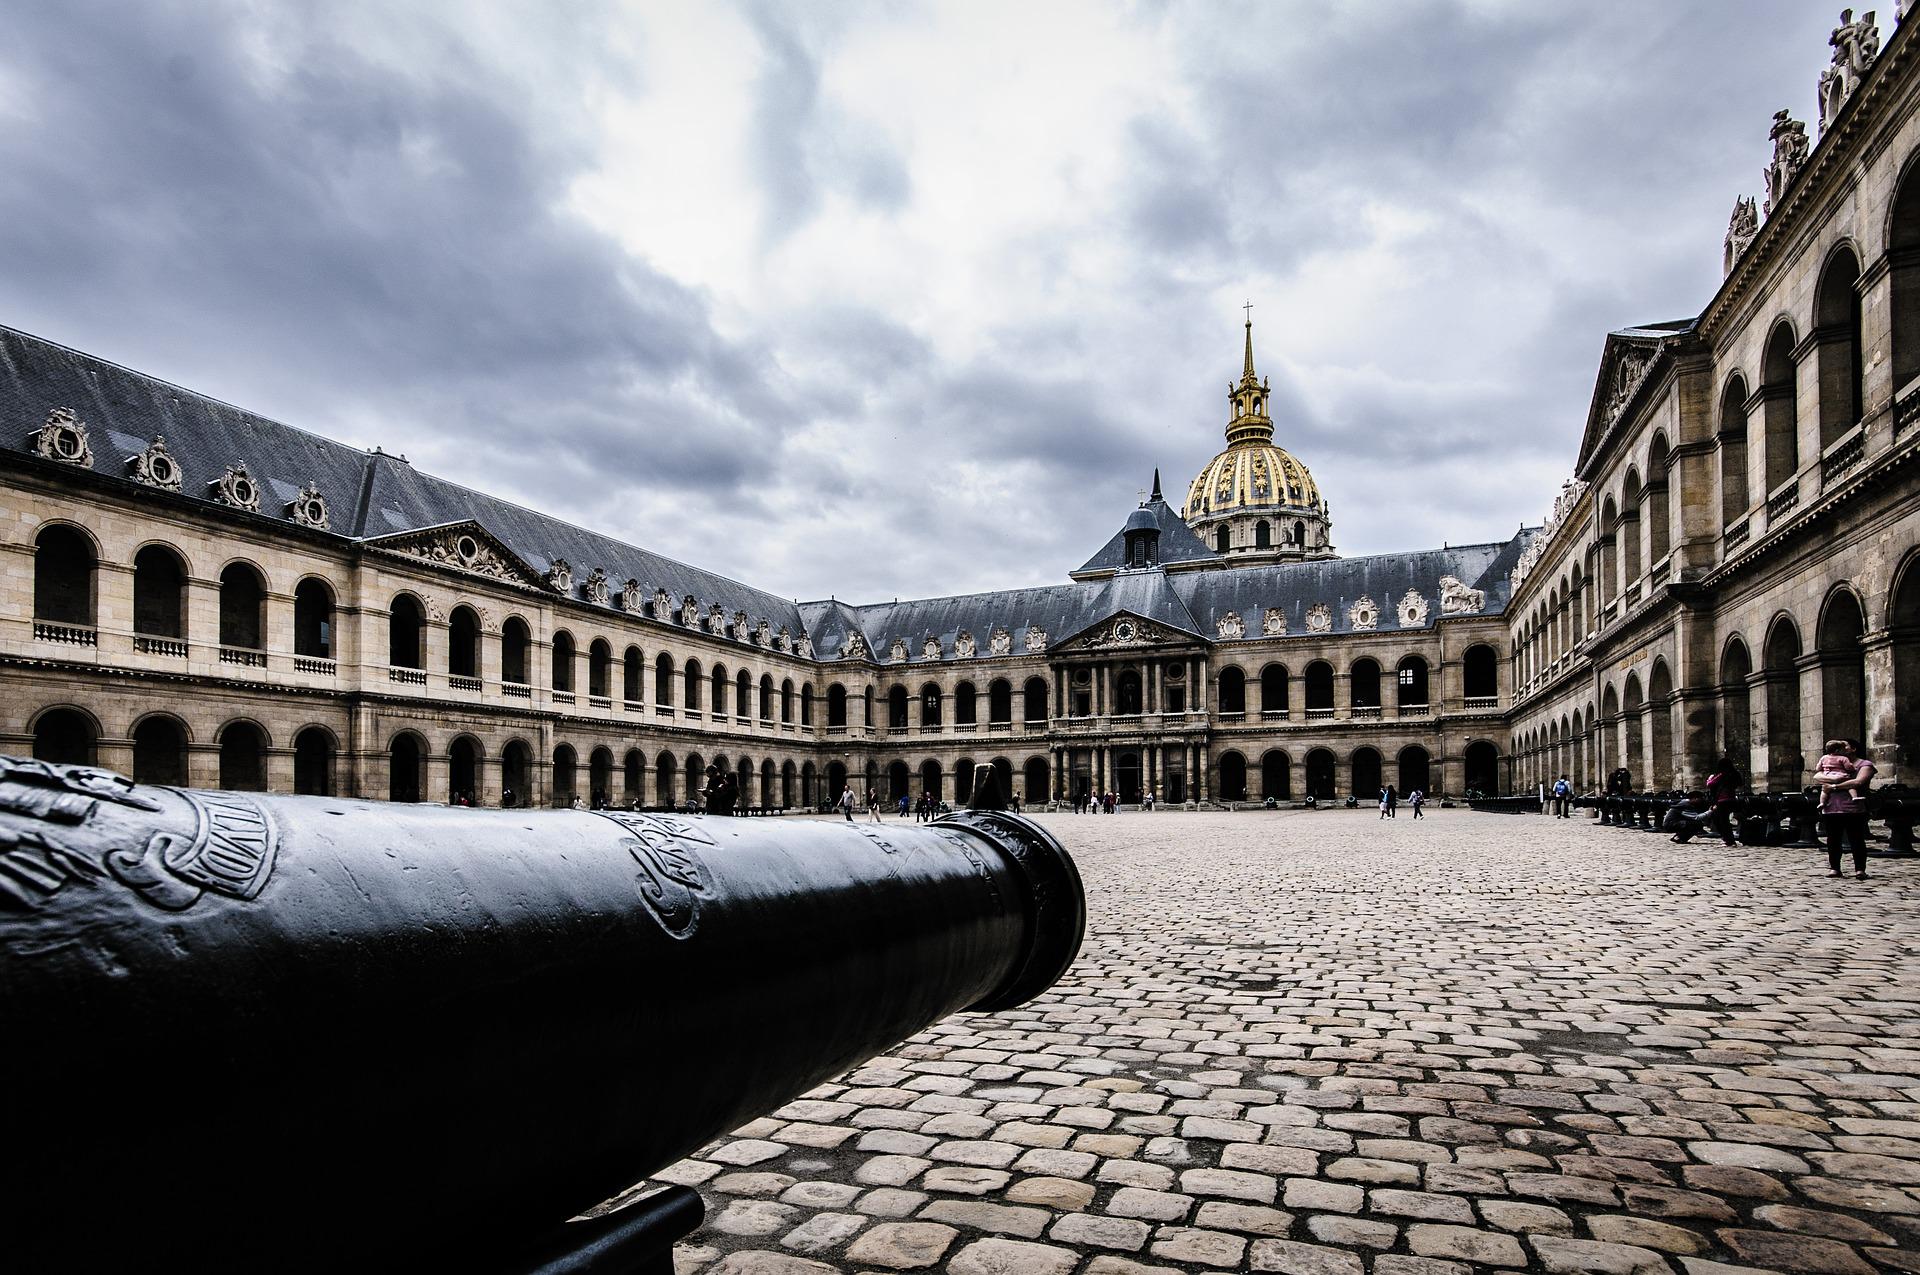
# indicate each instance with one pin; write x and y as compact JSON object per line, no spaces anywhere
{"x":1250,"y":477}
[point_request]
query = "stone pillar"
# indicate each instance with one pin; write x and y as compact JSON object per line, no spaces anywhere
{"x":1813,"y":705}
{"x":1883,"y":719}
{"x":203,"y":764}
{"x":116,"y":754}
{"x":279,"y":764}
{"x":1203,"y":771}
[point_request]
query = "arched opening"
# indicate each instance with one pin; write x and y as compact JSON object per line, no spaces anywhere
{"x":406,"y":767}
{"x":1273,"y":691}
{"x":463,"y":771}
{"x":243,"y":757}
{"x":600,"y":669}
{"x":930,"y":705}
{"x":463,"y":642}
{"x":1363,"y":685}
{"x":810,"y":786}
{"x":766,"y":697}
{"x":1034,"y":701}
{"x":1609,"y":545}
{"x":1127,"y":776}
{"x":722,"y":691}
{"x":1481,"y":766}
{"x":600,"y":778}
{"x":1415,"y":769}
{"x":694,"y":682}
{"x":1220,"y":540}
{"x":1734,"y":497}
{"x":1630,"y":525}
{"x":1233,"y":690}
{"x":1276,"y":775}
{"x":1836,"y":332}
{"x":1034,"y":776}
{"x":1126,"y":693}
{"x":243,"y":607}
{"x":1262,"y":535}
{"x":806,"y":712}
{"x":1319,"y":687}
{"x":159,"y":593}
{"x":1366,"y":773}
{"x":768,"y":779}
{"x":1480,"y":673}
{"x":563,"y":661}
{"x":789,"y":783}
{"x":694,"y":775}
{"x":1903,"y":253}
{"x":899,"y":781}
{"x":516,"y":651}
{"x":1233,"y":776}
{"x":786,"y":702}
{"x":963,"y":779}
{"x":897,"y":708}
{"x":1660,"y":769}
{"x":665,"y":778}
{"x":406,"y":633}
{"x":837,"y":783}
{"x":1659,"y":534}
{"x":1410,"y":683}
{"x":1903,"y":621}
{"x":742,"y":697}
{"x":313,"y":619}
{"x":1000,"y":702}
{"x":1785,"y":762}
{"x":63,"y":577}
{"x":1736,"y":702}
{"x":160,"y":751}
{"x":1780,"y":410}
{"x":313,"y":762}
{"x":1632,"y":703}
{"x":516,"y":774}
{"x":1843,"y":667}
{"x":663,"y":684}
{"x":836,"y":708}
{"x":1003,"y":770}
{"x":930,"y":780}
{"x":965,"y":712}
{"x":566,"y":779}
{"x":866,"y":707}
{"x":633,"y":675}
{"x":66,"y":736}
{"x":1320,"y":779}
{"x":633,"y":773}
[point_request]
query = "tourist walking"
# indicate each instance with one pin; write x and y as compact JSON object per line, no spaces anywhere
{"x":846,"y":803}
{"x":1393,"y":802}
{"x":1843,"y":803}
{"x":1383,"y":802}
{"x":1723,"y":789}
{"x":1417,"y":798}
{"x":873,"y":805}
{"x":1562,"y":798}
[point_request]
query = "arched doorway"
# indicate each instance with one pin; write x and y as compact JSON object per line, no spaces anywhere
{"x":1482,"y":767}
{"x":1366,"y":774}
{"x":1233,"y":777}
{"x":1843,"y":668}
{"x":406,"y":762}
{"x":1784,"y":759}
{"x":930,"y":780}
{"x":565,"y":780}
{"x":1127,"y":701}
{"x":666,"y":777}
{"x":963,"y":780}
{"x":836,"y":782}
{"x":1414,"y":768}
{"x":1035,"y":775}
{"x":160,"y":752}
{"x":899,"y":782}
{"x":1276,"y":775}
{"x":516,"y":774}
{"x":1320,"y":774}
{"x":463,"y":770}
{"x":313,"y":762}
{"x":1127,"y":772}
{"x":243,"y":757}
{"x":600,"y":778}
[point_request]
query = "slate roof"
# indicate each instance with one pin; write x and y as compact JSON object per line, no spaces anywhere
{"x":1177,"y":541}
{"x":368,"y":494}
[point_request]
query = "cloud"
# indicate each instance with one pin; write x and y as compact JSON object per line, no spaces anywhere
{"x":900,"y":300}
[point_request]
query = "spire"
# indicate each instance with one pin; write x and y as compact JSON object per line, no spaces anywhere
{"x":1156,"y":485}
{"x":1246,"y":372}
{"x":1250,"y":424}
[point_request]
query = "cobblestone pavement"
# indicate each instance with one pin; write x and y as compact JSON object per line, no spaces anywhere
{"x":1319,"y":1044}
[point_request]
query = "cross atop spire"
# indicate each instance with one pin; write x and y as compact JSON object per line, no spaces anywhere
{"x":1156,"y":485}
{"x":1247,"y":371}
{"x":1250,"y":423}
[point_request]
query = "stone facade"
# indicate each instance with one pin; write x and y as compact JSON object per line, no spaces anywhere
{"x":1737,"y":570}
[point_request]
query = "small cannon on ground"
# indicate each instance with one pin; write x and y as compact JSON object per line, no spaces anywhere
{"x":302,"y":1033}
{"x":1899,"y":805}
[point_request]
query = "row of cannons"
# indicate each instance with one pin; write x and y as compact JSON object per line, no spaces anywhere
{"x":1759,"y":819}
{"x":256,"y":1032}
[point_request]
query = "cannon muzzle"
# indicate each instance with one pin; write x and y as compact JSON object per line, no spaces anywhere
{"x":242,"y":1030}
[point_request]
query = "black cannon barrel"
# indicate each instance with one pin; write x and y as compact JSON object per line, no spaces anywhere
{"x":240,"y":1030}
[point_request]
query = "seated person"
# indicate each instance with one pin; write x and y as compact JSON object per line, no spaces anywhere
{"x":1689,"y":820}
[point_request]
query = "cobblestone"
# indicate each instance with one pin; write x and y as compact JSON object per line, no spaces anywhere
{"x":1311,"y":1043}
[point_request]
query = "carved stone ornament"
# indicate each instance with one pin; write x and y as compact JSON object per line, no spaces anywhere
{"x":898,"y":651}
{"x":963,"y":645}
{"x":236,"y":488}
{"x":1231,"y":625}
{"x":1456,"y":598}
{"x":803,"y":647}
{"x":599,"y":588}
{"x":1319,"y":618}
{"x":1273,"y":622}
{"x":1000,"y":642}
{"x":1855,"y":45}
{"x":1627,"y":375}
{"x":463,"y":551}
{"x":763,"y":633}
{"x":63,"y":438}
{"x":309,"y":508}
{"x":930,"y":649}
{"x":156,"y":467}
{"x":783,"y":640}
{"x":662,"y":606}
{"x":856,"y":648}
{"x":633,"y":599}
{"x":738,"y":628}
{"x":1790,"y":151}
{"x":1363,"y":615}
{"x":1742,"y":227}
{"x":716,"y":619}
{"x":435,"y":612}
{"x":64,"y":826}
{"x":690,"y":612}
{"x":560,"y":577}
{"x":1036,"y":639}
{"x":1412,"y":610}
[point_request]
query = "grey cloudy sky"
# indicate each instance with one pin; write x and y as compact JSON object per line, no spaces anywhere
{"x":894,"y":298}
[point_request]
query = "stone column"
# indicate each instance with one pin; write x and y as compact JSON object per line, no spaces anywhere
{"x":116,"y":754}
{"x":1883,"y":719}
{"x":203,"y":764}
{"x":1809,"y":668}
{"x":279,"y":763}
{"x":1205,"y":771}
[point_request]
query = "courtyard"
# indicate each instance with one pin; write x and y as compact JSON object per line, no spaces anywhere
{"x":1317,"y":1043}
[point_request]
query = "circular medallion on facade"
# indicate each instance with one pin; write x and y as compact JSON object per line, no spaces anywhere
{"x":1123,"y":631}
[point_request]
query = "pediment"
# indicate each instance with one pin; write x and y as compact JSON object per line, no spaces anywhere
{"x":1124,"y":630}
{"x":463,"y":546}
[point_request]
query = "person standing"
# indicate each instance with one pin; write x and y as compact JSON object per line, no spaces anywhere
{"x":1383,"y":801}
{"x":1393,"y":802}
{"x":1417,"y":798}
{"x":1844,"y":809}
{"x":1723,"y":790}
{"x":846,"y":803}
{"x":1562,"y":798}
